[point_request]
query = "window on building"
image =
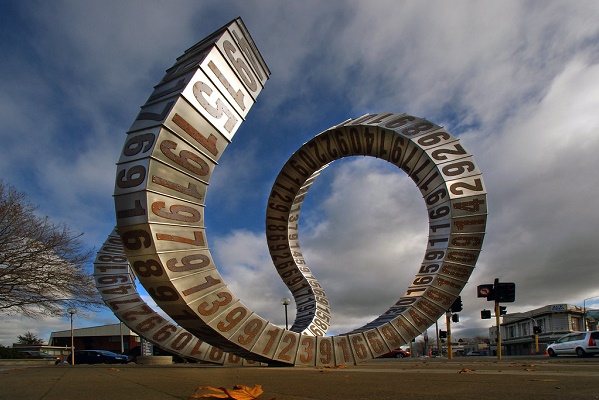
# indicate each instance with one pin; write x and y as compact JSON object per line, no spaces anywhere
{"x":542,"y":324}
{"x":512,"y":331}
{"x":576,"y":323}
{"x":525,"y":329}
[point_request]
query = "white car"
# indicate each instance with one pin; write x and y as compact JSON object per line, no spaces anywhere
{"x":581,"y":344}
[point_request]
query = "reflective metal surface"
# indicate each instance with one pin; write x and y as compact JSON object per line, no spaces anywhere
{"x":162,"y":175}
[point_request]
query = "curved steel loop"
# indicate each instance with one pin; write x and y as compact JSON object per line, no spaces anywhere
{"x":162,"y":176}
{"x":115,"y":280}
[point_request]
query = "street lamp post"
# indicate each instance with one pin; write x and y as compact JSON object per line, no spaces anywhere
{"x":72,"y":311}
{"x":285,"y":301}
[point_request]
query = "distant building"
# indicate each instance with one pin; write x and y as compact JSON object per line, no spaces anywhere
{"x":116,"y":337}
{"x":56,"y":351}
{"x":555,"y":320}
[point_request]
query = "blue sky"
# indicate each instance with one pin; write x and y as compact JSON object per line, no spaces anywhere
{"x":517,"y":82}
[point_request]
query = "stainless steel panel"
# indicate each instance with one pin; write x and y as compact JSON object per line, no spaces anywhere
{"x":172,"y":265}
{"x":166,"y":296}
{"x":268,"y":341}
{"x":223,"y":77}
{"x":439,"y":227}
{"x":456,"y":271}
{"x":196,"y":286}
{"x":231,"y":319}
{"x":215,"y":355}
{"x":233,"y":360}
{"x":111,"y":258}
{"x":240,"y":64}
{"x":179,"y":340}
{"x":430,"y":310}
{"x":131,"y":177}
{"x":306,"y":352}
{"x":376,"y":342}
{"x":431,"y":183}
{"x":155,"y":114}
{"x":378,"y":119}
{"x":422,"y":170}
{"x":110,"y":269}
{"x":213,"y":304}
{"x":170,"y":237}
{"x":462,"y":256}
{"x":472,"y":205}
{"x":173,"y":151}
{"x":411,"y":323}
{"x":473,"y":241}
{"x":359,"y":347}
{"x":460,"y":168}
{"x":440,"y":297}
{"x":198,"y":349}
{"x":139,"y":207}
{"x":410,"y":126}
{"x":172,"y":182}
{"x":189,"y":61}
{"x":245,"y":42}
{"x":465,"y":187}
{"x":315,"y":148}
{"x":113,"y":280}
{"x":206,"y":98}
{"x":192,"y":127}
{"x":173,"y":87}
{"x":440,"y":211}
{"x":113,"y":292}
{"x":436,"y":196}
{"x":124,"y":303}
{"x":472,"y":224}
{"x":436,"y":138}
{"x":438,"y":242}
{"x":411,"y":157}
{"x":325,"y":351}
{"x":446,"y":152}
{"x":139,"y":145}
{"x":137,"y":240}
{"x":392,"y":336}
{"x":249,"y":332}
{"x":343,"y":351}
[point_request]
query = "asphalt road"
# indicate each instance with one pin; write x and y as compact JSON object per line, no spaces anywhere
{"x":466,"y":378}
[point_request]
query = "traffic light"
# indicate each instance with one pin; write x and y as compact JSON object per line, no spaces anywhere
{"x":442,"y":334}
{"x":502,"y":310}
{"x":505,"y":292}
{"x":485,"y":291}
{"x":455,"y":318}
{"x":457,"y":305}
{"x":536,"y":330}
{"x":485,"y":314}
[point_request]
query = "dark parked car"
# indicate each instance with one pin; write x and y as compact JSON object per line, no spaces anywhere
{"x":99,"y":357}
{"x":397,"y":353}
{"x":39,"y":354}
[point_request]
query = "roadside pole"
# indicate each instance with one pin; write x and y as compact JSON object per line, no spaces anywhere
{"x":497,"y":311}
{"x":449,"y":346}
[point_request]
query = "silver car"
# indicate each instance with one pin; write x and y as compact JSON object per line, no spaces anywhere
{"x":581,"y":344}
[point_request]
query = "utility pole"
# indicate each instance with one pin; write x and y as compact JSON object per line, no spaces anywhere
{"x":500,"y":292}
{"x":449,"y":346}
{"x":497,"y":315}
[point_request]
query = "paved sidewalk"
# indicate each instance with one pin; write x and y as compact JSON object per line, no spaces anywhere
{"x":379,"y":379}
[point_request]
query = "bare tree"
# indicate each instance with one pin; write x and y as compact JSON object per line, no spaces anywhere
{"x":29,"y":338}
{"x":42,"y":264}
